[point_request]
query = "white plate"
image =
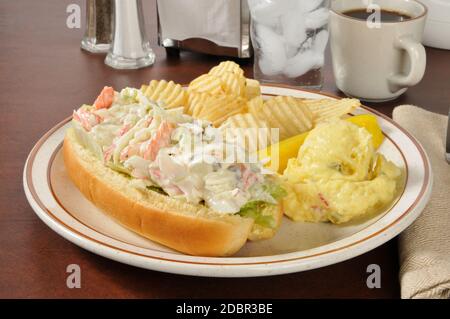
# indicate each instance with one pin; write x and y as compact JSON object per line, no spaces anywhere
{"x":296,"y":247}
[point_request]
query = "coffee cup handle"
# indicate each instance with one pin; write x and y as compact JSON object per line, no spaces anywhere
{"x":418,"y":58}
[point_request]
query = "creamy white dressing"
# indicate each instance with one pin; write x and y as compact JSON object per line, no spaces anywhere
{"x":173,"y":151}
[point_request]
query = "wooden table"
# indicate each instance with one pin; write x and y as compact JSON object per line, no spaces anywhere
{"x":43,"y":77}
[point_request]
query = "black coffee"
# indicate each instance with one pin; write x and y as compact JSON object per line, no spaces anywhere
{"x":385,"y":15}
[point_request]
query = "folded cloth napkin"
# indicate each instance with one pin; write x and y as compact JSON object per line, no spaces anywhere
{"x":425,"y":245}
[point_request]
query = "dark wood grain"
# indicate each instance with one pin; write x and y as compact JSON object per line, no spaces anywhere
{"x":43,"y":77}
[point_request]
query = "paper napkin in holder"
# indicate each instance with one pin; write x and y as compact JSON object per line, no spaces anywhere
{"x":218,"y":21}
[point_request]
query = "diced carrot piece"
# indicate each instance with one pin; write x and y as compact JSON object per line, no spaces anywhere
{"x":105,"y":99}
{"x":160,"y":140}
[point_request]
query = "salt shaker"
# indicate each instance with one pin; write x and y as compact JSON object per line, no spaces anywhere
{"x":99,"y":19}
{"x":130,"y":48}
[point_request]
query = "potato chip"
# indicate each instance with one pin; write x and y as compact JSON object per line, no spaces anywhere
{"x":325,"y":109}
{"x":144,"y":88}
{"x":215,"y":108}
{"x":254,"y":132}
{"x":217,"y":111}
{"x":255,"y":104}
{"x":233,"y":84}
{"x":285,"y":113}
{"x":246,"y":120}
{"x":252,"y":89}
{"x":207,"y":83}
{"x":151,"y":87}
{"x":196,"y":102}
{"x":224,"y":92}
{"x":169,"y":93}
{"x":227,"y":67}
{"x":192,"y":101}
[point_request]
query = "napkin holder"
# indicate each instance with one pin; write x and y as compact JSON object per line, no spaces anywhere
{"x":216,"y":27}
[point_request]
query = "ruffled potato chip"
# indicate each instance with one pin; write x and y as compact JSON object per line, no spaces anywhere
{"x":233,"y":84}
{"x":252,"y":131}
{"x":169,"y":93}
{"x":215,"y":108}
{"x":227,"y":67}
{"x":252,"y":89}
{"x":326,"y":109}
{"x":207,"y":83}
{"x":283,"y":112}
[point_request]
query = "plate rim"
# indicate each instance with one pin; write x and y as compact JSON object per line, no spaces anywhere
{"x":355,"y":249}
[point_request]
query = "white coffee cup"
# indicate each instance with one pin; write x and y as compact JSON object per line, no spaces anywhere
{"x":374,"y":61}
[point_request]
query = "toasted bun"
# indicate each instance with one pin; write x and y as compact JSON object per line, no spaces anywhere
{"x":188,"y":228}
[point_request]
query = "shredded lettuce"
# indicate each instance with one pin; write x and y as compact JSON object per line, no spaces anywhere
{"x":118,"y":168}
{"x":157,"y":189}
{"x":275,"y":190}
{"x":254,"y":210}
{"x":87,"y":107}
{"x":129,"y":95}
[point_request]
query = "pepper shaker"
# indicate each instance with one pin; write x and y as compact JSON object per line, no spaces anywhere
{"x":130,"y":47}
{"x":99,"y":25}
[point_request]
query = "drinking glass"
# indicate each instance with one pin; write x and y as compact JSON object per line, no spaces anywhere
{"x":289,"y":40}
